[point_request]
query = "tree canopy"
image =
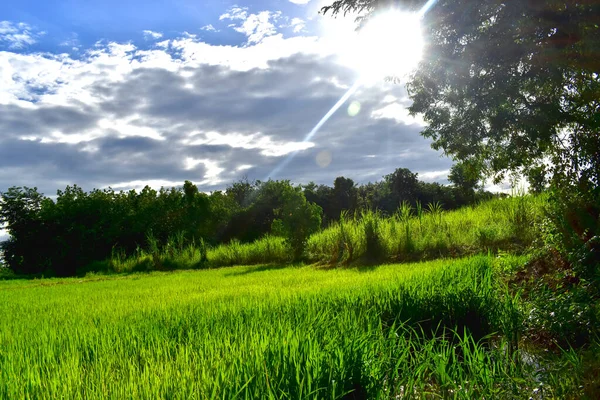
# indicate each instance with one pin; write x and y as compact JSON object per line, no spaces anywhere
{"x":79,"y":228}
{"x":513,"y":86}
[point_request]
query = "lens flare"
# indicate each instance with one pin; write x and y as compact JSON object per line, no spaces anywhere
{"x":354,"y":108}
{"x":324,"y":158}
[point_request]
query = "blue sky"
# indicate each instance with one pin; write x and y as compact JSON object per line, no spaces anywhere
{"x":84,"y":22}
{"x":129,"y":93}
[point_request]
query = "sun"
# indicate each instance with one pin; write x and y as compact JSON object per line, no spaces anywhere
{"x":390,"y":44}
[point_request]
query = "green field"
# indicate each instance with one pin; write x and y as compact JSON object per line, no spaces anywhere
{"x":422,"y":330}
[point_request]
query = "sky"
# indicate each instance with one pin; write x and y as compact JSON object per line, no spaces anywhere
{"x":106,"y":93}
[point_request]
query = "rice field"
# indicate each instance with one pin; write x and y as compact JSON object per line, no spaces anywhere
{"x":438,"y":329}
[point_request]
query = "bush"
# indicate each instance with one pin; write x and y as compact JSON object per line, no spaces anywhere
{"x":297,"y":220}
{"x":375,"y":250}
{"x":573,"y":229}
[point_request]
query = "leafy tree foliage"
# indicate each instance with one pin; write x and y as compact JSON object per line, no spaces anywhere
{"x":20,"y":213}
{"x":78,"y":227}
{"x":509,"y":84}
{"x":403,"y":186}
{"x":465,"y":176}
{"x":297,"y":219}
{"x":343,"y":196}
{"x":321,"y":195}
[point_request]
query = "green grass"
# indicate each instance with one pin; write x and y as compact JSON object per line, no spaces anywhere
{"x":424,"y":233}
{"x":429,"y":232}
{"x":433,"y":329}
{"x":177,"y":255}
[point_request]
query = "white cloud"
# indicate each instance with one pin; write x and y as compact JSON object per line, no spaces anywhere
{"x":297,"y":24}
{"x":130,"y":126}
{"x":256,"y":141}
{"x":434,"y":176}
{"x":72,"y":42}
{"x":117,"y":113}
{"x":148,"y":34}
{"x":235,"y":13}
{"x":300,"y":2}
{"x":212,"y":171}
{"x":18,"y":35}
{"x":209,"y":28}
{"x":389,"y":99}
{"x":194,"y":52}
{"x":399,"y":113}
{"x":256,"y":27}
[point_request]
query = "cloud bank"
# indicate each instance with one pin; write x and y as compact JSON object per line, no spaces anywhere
{"x":124,"y":116}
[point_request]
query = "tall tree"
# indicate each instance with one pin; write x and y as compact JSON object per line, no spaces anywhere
{"x":465,"y":176}
{"x":509,"y":83}
{"x":403,"y":185}
{"x":296,"y":219}
{"x":343,"y":196}
{"x":20,"y":214}
{"x":515,"y":85}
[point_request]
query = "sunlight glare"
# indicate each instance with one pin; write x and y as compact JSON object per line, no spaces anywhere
{"x":390,"y":44}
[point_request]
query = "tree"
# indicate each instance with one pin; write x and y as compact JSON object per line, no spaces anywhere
{"x":321,"y":195}
{"x":465,"y":176}
{"x":297,"y":219}
{"x":343,"y":196}
{"x":242,"y":192}
{"x":510,"y":84}
{"x":197,"y":212}
{"x":403,"y":186}
{"x":20,"y":214}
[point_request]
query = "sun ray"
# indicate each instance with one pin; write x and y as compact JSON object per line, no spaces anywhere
{"x":375,"y":57}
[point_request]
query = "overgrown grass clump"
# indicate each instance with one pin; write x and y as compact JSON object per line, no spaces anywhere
{"x":429,"y":232}
{"x":177,"y":254}
{"x":397,"y":331}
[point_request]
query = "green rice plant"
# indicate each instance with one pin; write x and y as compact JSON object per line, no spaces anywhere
{"x":511,"y":320}
{"x":396,"y":331}
{"x":154,"y":250}
{"x":203,"y":251}
{"x":345,"y":244}
{"x":436,"y":211}
{"x":117,"y":258}
{"x":269,"y":249}
{"x":493,"y":225}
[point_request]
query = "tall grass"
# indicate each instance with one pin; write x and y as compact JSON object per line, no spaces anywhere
{"x":269,"y":249}
{"x":429,"y":232}
{"x":410,"y":331}
{"x":177,"y":254}
{"x":410,"y":234}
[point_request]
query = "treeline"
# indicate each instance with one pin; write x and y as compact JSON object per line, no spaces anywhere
{"x":77,"y":227}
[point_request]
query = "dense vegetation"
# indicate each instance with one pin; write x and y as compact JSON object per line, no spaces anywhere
{"x":78,"y":228}
{"x":509,"y":224}
{"x":414,"y":330}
